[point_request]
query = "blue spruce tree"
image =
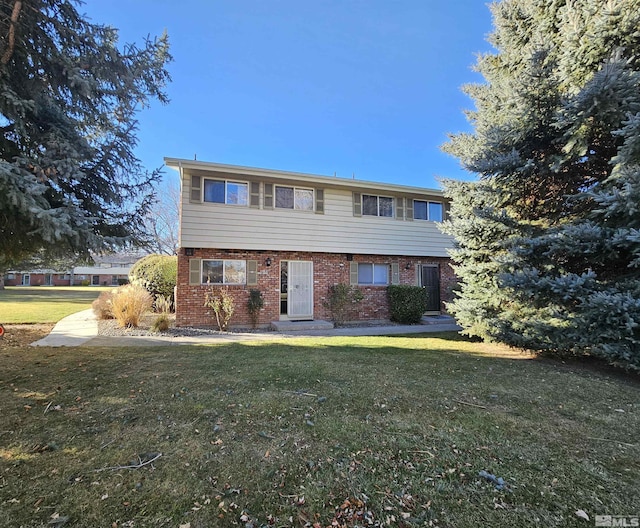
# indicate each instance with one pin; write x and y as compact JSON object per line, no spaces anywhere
{"x":548,"y":239}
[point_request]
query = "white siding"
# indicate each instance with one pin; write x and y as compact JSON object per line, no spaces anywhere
{"x":212,"y":225}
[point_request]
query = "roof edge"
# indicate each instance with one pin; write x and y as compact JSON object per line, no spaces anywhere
{"x":178,"y":163}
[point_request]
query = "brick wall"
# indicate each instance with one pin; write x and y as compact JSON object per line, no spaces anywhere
{"x":328,"y":269}
{"x":36,"y":279}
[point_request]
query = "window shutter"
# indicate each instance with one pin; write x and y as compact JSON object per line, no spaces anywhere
{"x":196,"y":189}
{"x":319,"y":201}
{"x":418,"y":274}
{"x":268,"y":196}
{"x":254,"y":200}
{"x":400,"y":208}
{"x":395,"y":273}
{"x":357,"y":204}
{"x":195,"y":276}
{"x":353,"y":273}
{"x":447,"y":209}
{"x":409,"y":209}
{"x":252,"y":272}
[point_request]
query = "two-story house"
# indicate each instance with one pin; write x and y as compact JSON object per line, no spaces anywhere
{"x":293,"y":235}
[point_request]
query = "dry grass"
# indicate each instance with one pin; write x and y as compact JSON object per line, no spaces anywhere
{"x":129,"y":304}
{"x":374,"y":431}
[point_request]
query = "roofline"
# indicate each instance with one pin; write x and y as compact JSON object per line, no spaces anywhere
{"x":179,"y":164}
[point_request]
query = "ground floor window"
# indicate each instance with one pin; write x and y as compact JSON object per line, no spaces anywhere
{"x":376,"y":274}
{"x":224,"y":272}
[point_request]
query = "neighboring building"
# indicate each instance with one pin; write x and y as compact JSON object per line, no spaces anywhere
{"x":37,"y":277}
{"x":109,"y":270}
{"x":293,"y":235}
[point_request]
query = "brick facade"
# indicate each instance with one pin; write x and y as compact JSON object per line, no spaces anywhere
{"x":37,"y":279}
{"x":328,"y":269}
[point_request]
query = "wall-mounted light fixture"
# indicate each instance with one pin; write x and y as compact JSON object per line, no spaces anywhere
{"x":268,"y":261}
{"x":408,"y":266}
{"x":188,"y":252}
{"x":349,"y":257}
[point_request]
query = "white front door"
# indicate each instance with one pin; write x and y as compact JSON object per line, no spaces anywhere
{"x":26,"y":279}
{"x":300,"y":290}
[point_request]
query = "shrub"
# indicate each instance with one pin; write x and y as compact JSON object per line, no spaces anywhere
{"x":156,"y":273}
{"x":161,"y":323}
{"x":222,"y":304}
{"x":254,"y":305}
{"x":342,"y":298}
{"x":102,"y":306}
{"x":129,"y":304}
{"x":406,"y":303}
{"x":163,"y":304}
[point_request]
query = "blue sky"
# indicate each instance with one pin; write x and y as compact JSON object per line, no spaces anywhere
{"x":369,"y":88}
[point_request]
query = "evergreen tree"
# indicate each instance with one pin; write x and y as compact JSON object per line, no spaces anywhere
{"x":548,"y":239}
{"x":69,"y":180}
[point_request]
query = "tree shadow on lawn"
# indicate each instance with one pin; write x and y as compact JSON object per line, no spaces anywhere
{"x":325,"y":418}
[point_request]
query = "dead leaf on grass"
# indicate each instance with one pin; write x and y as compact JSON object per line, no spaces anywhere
{"x":582,"y":514}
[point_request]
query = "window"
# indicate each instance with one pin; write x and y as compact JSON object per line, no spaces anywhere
{"x":377,"y":205}
{"x":226,"y":192}
{"x":224,"y":272}
{"x":373,"y":274}
{"x":423,"y":210}
{"x":294,"y":198}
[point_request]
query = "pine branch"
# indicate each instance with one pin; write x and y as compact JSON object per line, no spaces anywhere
{"x":12,"y":32}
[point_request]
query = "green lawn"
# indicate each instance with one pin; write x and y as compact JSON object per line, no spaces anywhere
{"x":366,"y":431}
{"x":44,"y":304}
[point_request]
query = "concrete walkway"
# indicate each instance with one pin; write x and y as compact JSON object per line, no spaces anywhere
{"x":82,"y":329}
{"x":74,"y":330}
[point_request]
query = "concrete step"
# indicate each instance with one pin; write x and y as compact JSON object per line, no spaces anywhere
{"x":291,"y":326}
{"x":437,"y":319}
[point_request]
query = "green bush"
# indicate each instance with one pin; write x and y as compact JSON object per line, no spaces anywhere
{"x":156,"y":273}
{"x":342,"y":298}
{"x":254,"y":305}
{"x":407,"y":303}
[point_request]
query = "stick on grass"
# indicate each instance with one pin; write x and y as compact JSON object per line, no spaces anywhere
{"x":134,"y":466}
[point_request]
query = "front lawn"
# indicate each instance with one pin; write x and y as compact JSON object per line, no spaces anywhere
{"x":44,"y":304}
{"x":365,"y":431}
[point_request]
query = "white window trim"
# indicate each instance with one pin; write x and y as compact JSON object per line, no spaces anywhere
{"x":313,"y":198}
{"x":378,"y":196}
{"x":226,"y":182}
{"x":427,"y":202}
{"x":223,"y":262}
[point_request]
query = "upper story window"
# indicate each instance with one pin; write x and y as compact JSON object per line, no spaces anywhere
{"x":423,"y":210}
{"x":377,"y":205}
{"x":294,"y":198}
{"x":224,"y":272}
{"x":226,"y":192}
